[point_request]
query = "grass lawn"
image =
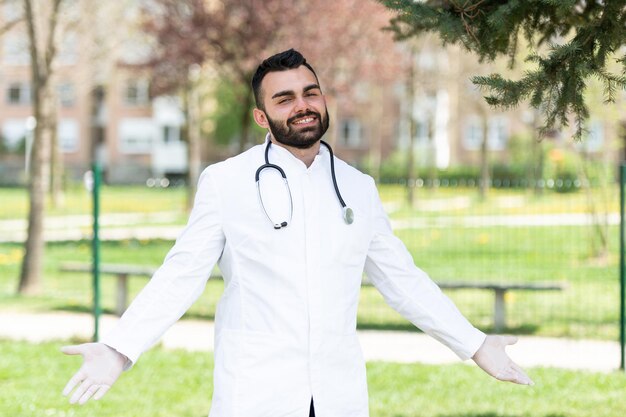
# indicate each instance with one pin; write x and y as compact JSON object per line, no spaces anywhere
{"x":463,"y":201}
{"x":459,"y":201}
{"x":118,"y":199}
{"x":178,"y":383}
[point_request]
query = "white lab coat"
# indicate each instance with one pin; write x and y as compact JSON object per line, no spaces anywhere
{"x":285,"y":327}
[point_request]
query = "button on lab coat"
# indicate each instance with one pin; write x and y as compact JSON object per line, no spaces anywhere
{"x":285,"y":326}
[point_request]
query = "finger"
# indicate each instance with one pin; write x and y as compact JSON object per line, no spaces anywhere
{"x":88,"y":394}
{"x":505,"y":374}
{"x":72,"y":350}
{"x":78,"y":377}
{"x":514,"y":374}
{"x":82,"y":388}
{"x":101,"y":391}
{"x":522,"y":376}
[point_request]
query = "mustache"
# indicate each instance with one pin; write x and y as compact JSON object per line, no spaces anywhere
{"x":308,"y":113}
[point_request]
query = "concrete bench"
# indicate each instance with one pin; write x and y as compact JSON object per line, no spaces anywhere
{"x":121,"y":271}
{"x":500,"y":290}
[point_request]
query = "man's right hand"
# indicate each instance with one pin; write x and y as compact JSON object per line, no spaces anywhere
{"x":102,"y":365}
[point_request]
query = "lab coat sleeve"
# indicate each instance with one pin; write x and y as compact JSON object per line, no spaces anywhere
{"x":178,"y":282}
{"x":408,"y":290}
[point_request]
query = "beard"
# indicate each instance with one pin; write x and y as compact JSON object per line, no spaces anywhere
{"x":303,"y":138}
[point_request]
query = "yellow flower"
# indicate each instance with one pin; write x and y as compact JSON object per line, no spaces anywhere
{"x":555,"y":155}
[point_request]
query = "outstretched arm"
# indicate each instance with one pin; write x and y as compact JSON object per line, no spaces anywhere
{"x":491,"y":357}
{"x":166,"y":297}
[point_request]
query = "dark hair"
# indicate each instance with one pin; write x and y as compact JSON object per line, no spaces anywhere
{"x":283,"y":61}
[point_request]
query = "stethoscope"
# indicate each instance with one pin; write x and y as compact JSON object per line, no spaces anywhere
{"x":348,"y":214}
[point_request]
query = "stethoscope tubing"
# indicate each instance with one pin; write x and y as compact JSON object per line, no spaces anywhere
{"x":348,"y":214}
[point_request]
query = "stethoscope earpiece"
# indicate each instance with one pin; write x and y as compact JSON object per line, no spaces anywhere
{"x":348,"y":213}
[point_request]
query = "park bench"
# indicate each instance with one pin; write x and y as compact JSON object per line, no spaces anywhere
{"x":123,"y":272}
{"x":499,"y":289}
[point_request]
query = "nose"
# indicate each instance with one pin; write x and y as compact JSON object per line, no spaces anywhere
{"x":301,"y":105}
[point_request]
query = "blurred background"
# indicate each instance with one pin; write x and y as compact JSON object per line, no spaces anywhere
{"x":153,"y":91}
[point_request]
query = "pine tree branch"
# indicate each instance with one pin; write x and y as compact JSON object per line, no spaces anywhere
{"x":595,"y":31}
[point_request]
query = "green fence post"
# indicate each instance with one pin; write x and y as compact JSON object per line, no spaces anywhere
{"x":95,"y":246}
{"x":622,"y":330}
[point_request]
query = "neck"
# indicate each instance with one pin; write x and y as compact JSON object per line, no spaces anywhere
{"x":305,"y":155}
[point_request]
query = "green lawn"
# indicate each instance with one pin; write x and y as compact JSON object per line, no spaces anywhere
{"x":178,"y":383}
{"x":461,"y":201}
{"x":119,"y":199}
{"x":427,"y":202}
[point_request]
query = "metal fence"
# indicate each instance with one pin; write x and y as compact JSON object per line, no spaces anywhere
{"x":519,"y":260}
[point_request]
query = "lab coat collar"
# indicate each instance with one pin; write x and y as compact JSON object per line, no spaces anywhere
{"x":284,"y":156}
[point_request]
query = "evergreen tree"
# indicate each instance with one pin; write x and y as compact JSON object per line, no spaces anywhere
{"x":582,"y":39}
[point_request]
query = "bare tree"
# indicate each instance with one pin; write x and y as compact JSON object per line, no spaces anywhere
{"x":351,"y":49}
{"x":42,"y":52}
{"x":234,"y":36}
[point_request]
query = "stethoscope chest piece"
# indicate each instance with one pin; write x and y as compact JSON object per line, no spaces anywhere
{"x":348,"y":215}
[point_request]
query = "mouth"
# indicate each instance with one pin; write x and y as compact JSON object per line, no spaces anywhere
{"x":305,"y":121}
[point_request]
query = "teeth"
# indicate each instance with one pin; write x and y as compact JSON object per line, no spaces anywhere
{"x":307,"y":120}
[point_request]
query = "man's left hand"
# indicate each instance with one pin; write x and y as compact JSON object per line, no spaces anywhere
{"x":492,"y":358}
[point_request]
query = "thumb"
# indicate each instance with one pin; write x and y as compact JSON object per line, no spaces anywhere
{"x":508,"y":340}
{"x":73,"y":350}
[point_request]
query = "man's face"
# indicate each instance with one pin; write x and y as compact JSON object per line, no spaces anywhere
{"x":295,"y":107}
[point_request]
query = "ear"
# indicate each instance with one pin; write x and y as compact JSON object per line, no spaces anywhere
{"x":260,"y":118}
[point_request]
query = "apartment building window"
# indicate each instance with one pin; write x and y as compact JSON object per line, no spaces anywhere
{"x":66,"y":94}
{"x":68,"y":135}
{"x":68,"y":51}
{"x":15,"y":49}
{"x":498,"y":133}
{"x":422,"y":135}
{"x":351,"y":133}
{"x":136,"y":50}
{"x":137,"y":135}
{"x":171,"y":134}
{"x":18,"y":93}
{"x":136,"y":92}
{"x":13,"y":133}
{"x":472,"y":133}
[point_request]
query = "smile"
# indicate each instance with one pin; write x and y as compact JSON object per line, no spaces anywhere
{"x":303,"y":121}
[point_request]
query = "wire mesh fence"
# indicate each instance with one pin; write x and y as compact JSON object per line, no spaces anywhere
{"x":513,"y":237}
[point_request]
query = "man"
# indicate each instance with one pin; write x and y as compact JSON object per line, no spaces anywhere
{"x":292,"y":254}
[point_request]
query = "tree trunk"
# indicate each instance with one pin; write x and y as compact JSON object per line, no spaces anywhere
{"x":410,"y":167}
{"x":43,"y":109}
{"x":484,"y":160}
{"x":537,"y":163}
{"x":30,"y":277}
{"x":193,"y":143}
{"x":245,"y":119}
{"x":333,"y":116}
{"x":56,"y":165}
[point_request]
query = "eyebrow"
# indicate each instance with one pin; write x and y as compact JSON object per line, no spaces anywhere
{"x":291,"y":92}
